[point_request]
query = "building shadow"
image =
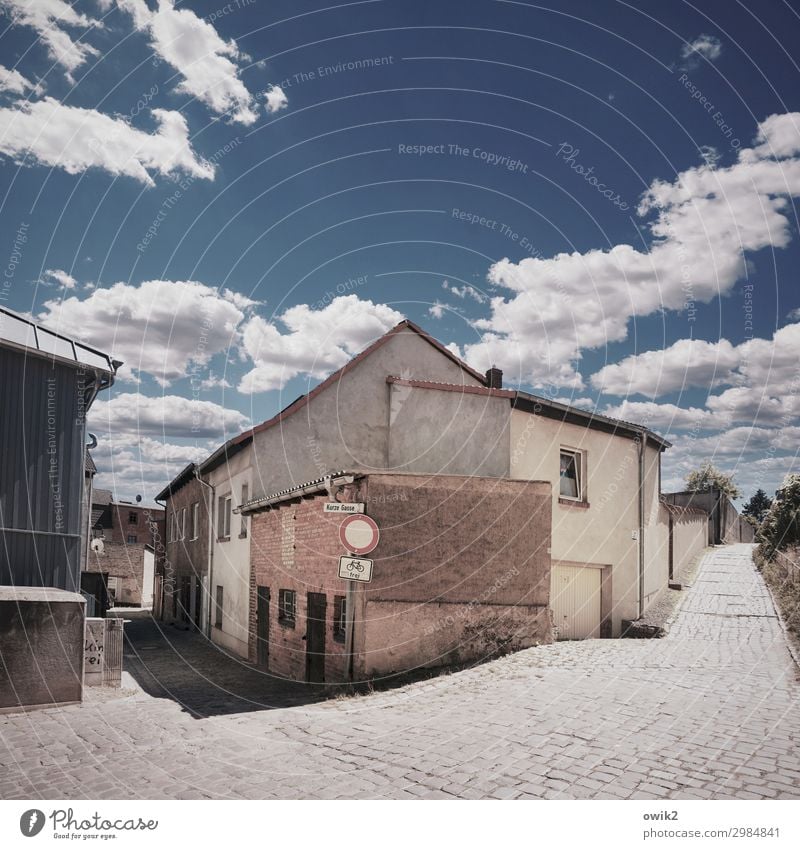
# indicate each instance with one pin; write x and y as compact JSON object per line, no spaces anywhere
{"x":168,"y":662}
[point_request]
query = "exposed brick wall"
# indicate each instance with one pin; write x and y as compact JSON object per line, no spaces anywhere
{"x":462,"y":571}
{"x":296,"y":547}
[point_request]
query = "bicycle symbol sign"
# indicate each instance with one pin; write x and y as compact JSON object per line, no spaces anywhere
{"x":355,"y":568}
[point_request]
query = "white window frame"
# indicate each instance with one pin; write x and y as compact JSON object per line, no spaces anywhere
{"x":195,"y":520}
{"x":224,"y":517}
{"x":183,"y":523}
{"x":579,"y":473}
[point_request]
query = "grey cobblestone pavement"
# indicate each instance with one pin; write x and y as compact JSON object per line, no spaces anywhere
{"x":711,"y":711}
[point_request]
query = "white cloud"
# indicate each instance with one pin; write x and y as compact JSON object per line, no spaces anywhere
{"x":660,"y":416}
{"x":208,"y":64}
{"x":54,"y":20}
{"x":688,"y":362}
{"x":162,"y":327}
{"x":275,"y":99}
{"x":60,"y":278}
{"x":77,"y":139}
{"x":164,"y":415}
{"x":706,"y":220}
{"x":317,"y":343}
{"x":130,"y":467}
{"x":437,"y":309}
{"x":465,"y":291}
{"x":704,"y":46}
{"x":13,"y":82}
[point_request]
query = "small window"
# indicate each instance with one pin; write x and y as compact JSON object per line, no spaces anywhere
{"x":195,"y":522}
{"x":132,"y":538}
{"x":245,"y":497}
{"x":218,"y":611}
{"x":339,"y":618}
{"x":182,"y":527}
{"x":224,"y":517}
{"x":287,"y":607}
{"x":571,"y":485}
{"x":133,"y":518}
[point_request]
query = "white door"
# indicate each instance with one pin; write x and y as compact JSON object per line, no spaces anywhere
{"x":575,"y":601}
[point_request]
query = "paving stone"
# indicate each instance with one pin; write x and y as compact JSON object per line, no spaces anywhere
{"x":708,"y":712}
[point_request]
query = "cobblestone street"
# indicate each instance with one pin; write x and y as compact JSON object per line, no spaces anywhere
{"x":711,"y":711}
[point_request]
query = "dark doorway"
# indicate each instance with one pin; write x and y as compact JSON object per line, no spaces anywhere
{"x":94,"y":586}
{"x":198,"y":603}
{"x":186,"y":598}
{"x":262,"y":627}
{"x":315,"y":638}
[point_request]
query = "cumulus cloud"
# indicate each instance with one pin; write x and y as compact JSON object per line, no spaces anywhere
{"x":75,"y":139}
{"x":60,"y":277}
{"x":13,"y":82}
{"x":56,"y":23}
{"x":139,"y":415}
{"x":208,"y":64}
{"x":703,"y":47}
{"x":163,"y":327}
{"x":689,"y":362}
{"x":275,"y":99}
{"x":437,"y":310}
{"x":702,"y":225}
{"x":130,"y":467}
{"x":339,"y":330}
{"x":660,"y":416}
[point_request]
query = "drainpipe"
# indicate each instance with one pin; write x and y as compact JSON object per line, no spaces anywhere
{"x":211,"y":494}
{"x":642,"y":454}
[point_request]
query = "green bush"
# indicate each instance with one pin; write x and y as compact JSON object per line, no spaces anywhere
{"x":781,"y":527}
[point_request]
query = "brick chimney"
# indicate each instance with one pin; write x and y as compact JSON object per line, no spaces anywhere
{"x":494,"y":378}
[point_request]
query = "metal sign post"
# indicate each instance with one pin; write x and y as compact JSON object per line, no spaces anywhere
{"x":349,"y":610}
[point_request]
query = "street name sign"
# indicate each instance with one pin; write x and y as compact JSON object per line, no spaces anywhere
{"x":342,"y":507}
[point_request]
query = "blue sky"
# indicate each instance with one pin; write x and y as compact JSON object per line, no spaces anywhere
{"x":234,"y":198}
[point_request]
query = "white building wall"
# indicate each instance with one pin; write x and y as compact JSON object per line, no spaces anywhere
{"x":230,"y":564}
{"x":604,"y":532}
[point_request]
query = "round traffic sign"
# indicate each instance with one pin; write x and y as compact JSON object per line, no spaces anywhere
{"x":359,"y":534}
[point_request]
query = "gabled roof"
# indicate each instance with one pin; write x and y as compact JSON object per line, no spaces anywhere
{"x":237,"y":443}
{"x":178,"y":482}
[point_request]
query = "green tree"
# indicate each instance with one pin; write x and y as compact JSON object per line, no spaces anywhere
{"x":708,"y":476}
{"x":758,"y":506}
{"x":781,"y":527}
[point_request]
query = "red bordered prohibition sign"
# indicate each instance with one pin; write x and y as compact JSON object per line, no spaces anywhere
{"x":359,"y":534}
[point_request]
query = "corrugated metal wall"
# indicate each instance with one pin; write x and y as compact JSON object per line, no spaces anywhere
{"x":41,"y":470}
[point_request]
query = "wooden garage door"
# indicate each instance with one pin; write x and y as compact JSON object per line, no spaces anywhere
{"x":575,"y":601}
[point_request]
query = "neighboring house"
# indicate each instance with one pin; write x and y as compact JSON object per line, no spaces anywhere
{"x":183,"y":561}
{"x":408,"y":405}
{"x":229,"y":473}
{"x":120,"y":567}
{"x":49,"y":382}
{"x":725,"y":525}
